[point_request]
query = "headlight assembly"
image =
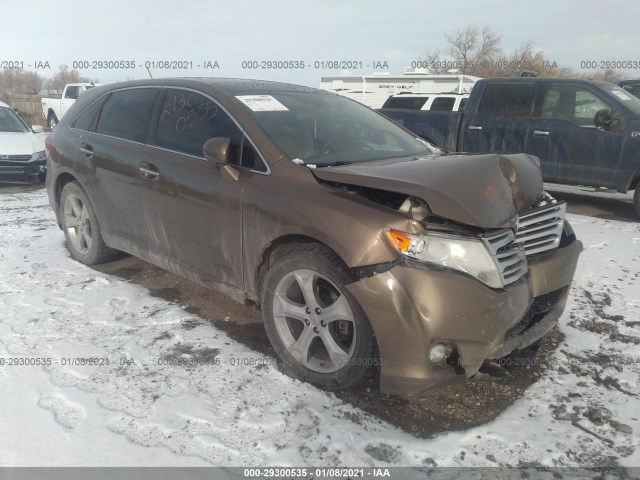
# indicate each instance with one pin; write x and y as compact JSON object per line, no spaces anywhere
{"x":42,"y":155}
{"x":467,"y":255}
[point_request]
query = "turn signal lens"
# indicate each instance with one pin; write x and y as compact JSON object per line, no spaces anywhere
{"x":399,"y":240}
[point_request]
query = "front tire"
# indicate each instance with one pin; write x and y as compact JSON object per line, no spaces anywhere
{"x":81,"y":227}
{"x":636,"y":199}
{"x":315,"y":326}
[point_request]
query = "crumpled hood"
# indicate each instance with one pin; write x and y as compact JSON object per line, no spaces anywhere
{"x":20,"y":143}
{"x":485,"y":191}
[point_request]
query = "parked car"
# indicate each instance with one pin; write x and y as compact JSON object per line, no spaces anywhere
{"x":631,"y":86}
{"x":441,"y":102}
{"x":363,"y":244}
{"x":23,"y":157}
{"x":584,"y":132}
{"x":54,"y":108}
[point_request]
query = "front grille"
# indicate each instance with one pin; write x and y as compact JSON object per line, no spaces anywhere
{"x":540,"y":229}
{"x":15,"y":158}
{"x":508,"y":255}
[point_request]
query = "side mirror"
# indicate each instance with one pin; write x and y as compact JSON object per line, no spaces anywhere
{"x":37,"y":128}
{"x":602,"y":119}
{"x":216,"y":150}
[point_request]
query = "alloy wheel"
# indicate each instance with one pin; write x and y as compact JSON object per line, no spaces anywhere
{"x":78,"y":224}
{"x":314,"y":321}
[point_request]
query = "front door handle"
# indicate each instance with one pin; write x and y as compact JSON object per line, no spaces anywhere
{"x":474,"y":127}
{"x":541,"y":132}
{"x":86,"y":149}
{"x":149,"y":171}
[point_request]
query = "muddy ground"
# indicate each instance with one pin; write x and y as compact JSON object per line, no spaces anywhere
{"x":454,"y":407}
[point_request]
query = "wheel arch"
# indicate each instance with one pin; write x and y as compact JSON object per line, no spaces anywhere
{"x":635,"y":180}
{"x":61,"y":181}
{"x":276,"y":249}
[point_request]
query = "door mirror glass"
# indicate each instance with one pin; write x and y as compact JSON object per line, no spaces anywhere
{"x":216,"y":150}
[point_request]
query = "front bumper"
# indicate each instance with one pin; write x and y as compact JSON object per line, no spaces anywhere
{"x":22,"y":172}
{"x":413,"y":309}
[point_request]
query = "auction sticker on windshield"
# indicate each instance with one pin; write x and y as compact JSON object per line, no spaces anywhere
{"x":262,"y":103}
{"x":621,"y":94}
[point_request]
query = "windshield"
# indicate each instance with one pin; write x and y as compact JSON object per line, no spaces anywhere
{"x":10,"y":122}
{"x":627,"y":99}
{"x":323,"y":129}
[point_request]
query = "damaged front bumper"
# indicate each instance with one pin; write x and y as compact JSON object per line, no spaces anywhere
{"x":412,"y":310}
{"x":22,"y":172}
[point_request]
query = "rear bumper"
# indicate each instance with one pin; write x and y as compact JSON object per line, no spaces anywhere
{"x":411,"y":310}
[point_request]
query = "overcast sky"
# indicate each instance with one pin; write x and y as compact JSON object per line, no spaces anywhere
{"x":234,"y":31}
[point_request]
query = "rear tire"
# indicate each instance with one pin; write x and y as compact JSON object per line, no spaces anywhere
{"x":52,"y":121}
{"x":315,"y":326}
{"x":81,"y":227}
{"x":636,"y":199}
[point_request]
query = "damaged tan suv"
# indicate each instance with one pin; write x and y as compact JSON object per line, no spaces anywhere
{"x":364,"y":245}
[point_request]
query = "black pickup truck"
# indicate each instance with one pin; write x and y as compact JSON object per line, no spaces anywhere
{"x":584,"y":132}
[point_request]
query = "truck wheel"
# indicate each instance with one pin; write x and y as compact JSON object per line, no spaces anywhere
{"x":52,"y":121}
{"x":636,"y":199}
{"x":81,"y":227}
{"x":313,"y":323}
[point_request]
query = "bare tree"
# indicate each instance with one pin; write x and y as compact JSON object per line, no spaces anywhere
{"x":608,"y":75}
{"x":64,"y":76}
{"x":475,"y":51}
{"x":32,"y":83}
{"x":472,"y":49}
{"x":18,"y":81}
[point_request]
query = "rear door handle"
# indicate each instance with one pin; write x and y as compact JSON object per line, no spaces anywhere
{"x":149,"y":171}
{"x":86,"y":149}
{"x":541,"y":132}
{"x":474,"y":127}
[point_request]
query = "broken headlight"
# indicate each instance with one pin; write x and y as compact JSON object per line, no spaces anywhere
{"x":463,"y":254}
{"x":42,"y":155}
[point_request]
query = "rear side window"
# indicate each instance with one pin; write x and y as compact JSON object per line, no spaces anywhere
{"x":72,"y":92}
{"x":188,"y":119}
{"x":443,"y":103}
{"x":85,"y":121}
{"x":508,"y":99}
{"x":413,"y":103}
{"x":126,"y":114}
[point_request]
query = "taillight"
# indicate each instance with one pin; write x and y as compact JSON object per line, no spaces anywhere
{"x":47,"y":142}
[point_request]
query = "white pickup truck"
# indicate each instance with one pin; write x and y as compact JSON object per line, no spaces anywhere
{"x":54,"y":108}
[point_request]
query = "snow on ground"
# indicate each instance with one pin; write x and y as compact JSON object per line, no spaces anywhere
{"x":138,"y":411}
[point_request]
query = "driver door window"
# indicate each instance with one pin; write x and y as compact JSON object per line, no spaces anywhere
{"x":188,"y":119}
{"x":573,"y":104}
